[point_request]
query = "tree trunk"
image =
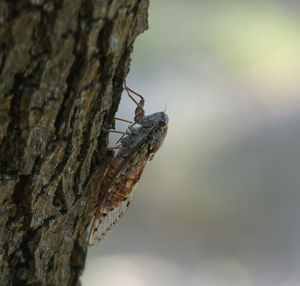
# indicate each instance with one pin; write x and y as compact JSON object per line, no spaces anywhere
{"x":62,"y":66}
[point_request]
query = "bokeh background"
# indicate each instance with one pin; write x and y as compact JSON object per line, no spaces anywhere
{"x":220,"y":203}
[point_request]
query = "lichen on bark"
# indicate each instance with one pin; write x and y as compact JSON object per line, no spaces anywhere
{"x":62,"y":67}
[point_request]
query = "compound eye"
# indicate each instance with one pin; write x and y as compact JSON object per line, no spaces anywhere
{"x":163,"y":121}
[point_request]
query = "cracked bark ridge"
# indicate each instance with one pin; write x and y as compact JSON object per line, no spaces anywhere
{"x":62,"y":65}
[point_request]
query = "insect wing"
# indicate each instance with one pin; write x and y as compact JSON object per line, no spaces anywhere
{"x":105,"y":223}
{"x":128,"y":170}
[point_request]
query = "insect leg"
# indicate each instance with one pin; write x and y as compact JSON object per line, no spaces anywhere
{"x":116,"y":147}
{"x":124,"y":120}
{"x":123,"y":133}
{"x":128,"y":90}
{"x":139,"y":111}
{"x":116,"y":131}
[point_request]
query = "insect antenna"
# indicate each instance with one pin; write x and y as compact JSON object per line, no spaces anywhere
{"x":165,"y":108}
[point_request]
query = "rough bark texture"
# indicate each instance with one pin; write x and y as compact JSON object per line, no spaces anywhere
{"x":62,"y":65}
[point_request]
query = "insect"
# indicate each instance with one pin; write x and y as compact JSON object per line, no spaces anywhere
{"x":142,"y":140}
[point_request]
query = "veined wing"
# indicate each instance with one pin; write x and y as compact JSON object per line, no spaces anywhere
{"x":117,"y":190}
{"x":104,"y":223}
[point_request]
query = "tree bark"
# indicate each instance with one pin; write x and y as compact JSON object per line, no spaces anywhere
{"x":62,"y":67}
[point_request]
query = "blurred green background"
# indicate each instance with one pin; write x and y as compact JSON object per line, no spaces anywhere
{"x":219,"y":205}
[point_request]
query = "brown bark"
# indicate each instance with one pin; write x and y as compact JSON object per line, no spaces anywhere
{"x":62,"y":65}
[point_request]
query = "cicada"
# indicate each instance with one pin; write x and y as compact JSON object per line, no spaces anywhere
{"x":143,"y":139}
